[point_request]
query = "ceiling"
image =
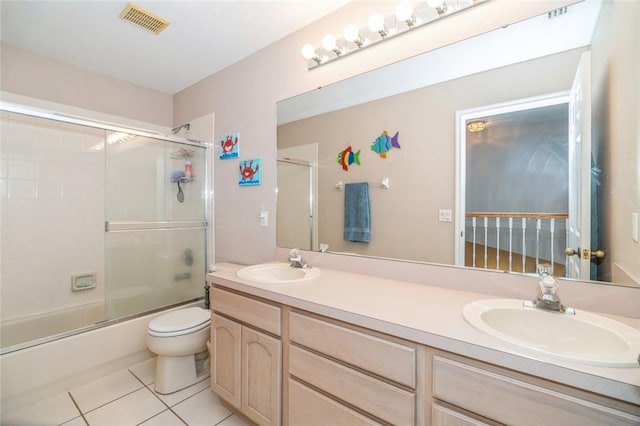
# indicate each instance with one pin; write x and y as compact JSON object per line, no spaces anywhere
{"x":203,"y":38}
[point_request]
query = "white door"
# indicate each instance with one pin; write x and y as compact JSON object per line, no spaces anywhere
{"x":579,"y":222}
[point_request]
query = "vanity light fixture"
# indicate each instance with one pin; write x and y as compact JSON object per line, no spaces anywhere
{"x":476,"y":126}
{"x":409,"y":15}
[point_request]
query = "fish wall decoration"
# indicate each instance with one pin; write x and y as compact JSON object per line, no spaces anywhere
{"x":347,"y":157}
{"x":383,"y":144}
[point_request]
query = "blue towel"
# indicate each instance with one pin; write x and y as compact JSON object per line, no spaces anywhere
{"x":357,"y":212}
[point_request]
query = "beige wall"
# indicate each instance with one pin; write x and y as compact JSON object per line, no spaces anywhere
{"x":616,"y":92}
{"x":244,"y":97}
{"x":422,"y":173}
{"x":27,"y":74}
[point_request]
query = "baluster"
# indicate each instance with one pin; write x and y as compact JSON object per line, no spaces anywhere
{"x":497,"y":243}
{"x":538,"y":227}
{"x":510,"y":244}
{"x":566,"y":244}
{"x":473,"y":246}
{"x":552,"y":225}
{"x":486,"y":242}
{"x":524,"y":246}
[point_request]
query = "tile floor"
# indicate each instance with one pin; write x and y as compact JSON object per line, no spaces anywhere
{"x":127,"y":398}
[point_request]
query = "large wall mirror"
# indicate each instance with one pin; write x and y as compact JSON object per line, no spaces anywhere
{"x":500,"y":198}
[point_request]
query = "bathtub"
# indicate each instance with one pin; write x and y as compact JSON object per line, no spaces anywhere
{"x":47,"y":369}
{"x":36,"y":327}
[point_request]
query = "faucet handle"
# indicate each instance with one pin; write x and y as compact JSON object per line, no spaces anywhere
{"x":549,"y":285}
{"x":294,"y":253}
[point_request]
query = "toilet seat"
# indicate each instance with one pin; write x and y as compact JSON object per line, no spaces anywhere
{"x":179,"y":322}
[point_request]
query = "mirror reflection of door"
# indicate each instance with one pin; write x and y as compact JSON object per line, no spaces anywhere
{"x":523,"y":159}
{"x":296,"y":197}
{"x":583,"y":199}
{"x":514,"y":193}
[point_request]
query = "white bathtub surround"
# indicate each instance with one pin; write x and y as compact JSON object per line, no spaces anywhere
{"x":63,"y":364}
{"x":40,"y":326}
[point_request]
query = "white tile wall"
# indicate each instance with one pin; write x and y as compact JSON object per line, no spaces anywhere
{"x":51,"y":196}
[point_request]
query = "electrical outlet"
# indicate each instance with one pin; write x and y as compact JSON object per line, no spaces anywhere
{"x":445,"y":215}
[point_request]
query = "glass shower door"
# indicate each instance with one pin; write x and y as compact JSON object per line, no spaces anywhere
{"x":155,"y":223}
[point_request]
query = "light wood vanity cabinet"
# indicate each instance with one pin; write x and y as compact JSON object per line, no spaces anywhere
{"x":355,"y":374}
{"x":477,"y":393}
{"x":246,"y":362}
{"x":279,"y":365}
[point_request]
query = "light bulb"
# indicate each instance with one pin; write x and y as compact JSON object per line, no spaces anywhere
{"x":352,"y":34}
{"x":439,"y":5}
{"x":376,"y":24}
{"x":404,"y":11}
{"x":308,"y":51}
{"x":329,"y":42}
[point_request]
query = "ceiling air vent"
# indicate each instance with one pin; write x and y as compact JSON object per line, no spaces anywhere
{"x":558,"y":12}
{"x":143,"y":19}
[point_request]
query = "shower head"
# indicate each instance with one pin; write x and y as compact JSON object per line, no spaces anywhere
{"x":185,"y":126}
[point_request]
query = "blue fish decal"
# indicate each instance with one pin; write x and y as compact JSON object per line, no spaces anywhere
{"x":348,"y":157}
{"x":384,"y":143}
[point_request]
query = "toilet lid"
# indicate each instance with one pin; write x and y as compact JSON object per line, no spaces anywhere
{"x":181,"y":321}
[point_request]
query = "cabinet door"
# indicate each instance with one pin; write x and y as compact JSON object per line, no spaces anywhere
{"x":225,"y":359}
{"x":261,"y":377}
{"x":442,"y":416}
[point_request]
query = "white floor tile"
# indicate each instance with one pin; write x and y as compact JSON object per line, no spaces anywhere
{"x":166,"y":418}
{"x":234,"y":421}
{"x":202,"y":409}
{"x":145,"y":371}
{"x":104,"y":390}
{"x":78,"y":421}
{"x":177,"y":397}
{"x":54,"y":410}
{"x":132,"y":409}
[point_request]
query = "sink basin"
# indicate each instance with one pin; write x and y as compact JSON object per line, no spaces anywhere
{"x":276,"y":273}
{"x":584,"y":337}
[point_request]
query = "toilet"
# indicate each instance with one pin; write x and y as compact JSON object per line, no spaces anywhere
{"x":179,"y":338}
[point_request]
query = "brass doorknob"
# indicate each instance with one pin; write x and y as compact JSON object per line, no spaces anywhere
{"x":598,"y":254}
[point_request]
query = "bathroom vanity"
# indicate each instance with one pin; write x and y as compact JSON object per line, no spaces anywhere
{"x":344,"y":348}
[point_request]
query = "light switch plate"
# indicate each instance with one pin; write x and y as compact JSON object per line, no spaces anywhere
{"x":634,"y":227}
{"x":445,"y":215}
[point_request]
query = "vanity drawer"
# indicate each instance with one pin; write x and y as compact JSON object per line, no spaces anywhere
{"x":506,"y":399}
{"x":310,"y":408}
{"x":244,"y":309}
{"x":388,"y":359}
{"x":380,"y":399}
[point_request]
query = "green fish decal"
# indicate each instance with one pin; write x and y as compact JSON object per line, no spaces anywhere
{"x":347,"y":157}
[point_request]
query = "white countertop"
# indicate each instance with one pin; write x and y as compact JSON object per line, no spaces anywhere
{"x":431,"y":316}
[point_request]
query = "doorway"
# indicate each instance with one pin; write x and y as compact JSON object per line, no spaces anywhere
{"x":512,"y":190}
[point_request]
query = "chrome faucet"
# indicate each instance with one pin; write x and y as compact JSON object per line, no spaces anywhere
{"x":547,"y":297}
{"x":296,"y":260}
